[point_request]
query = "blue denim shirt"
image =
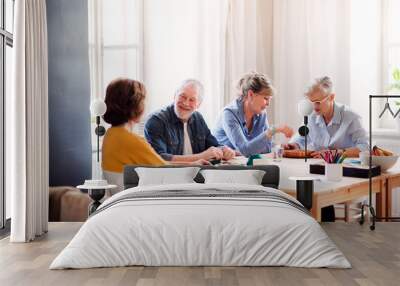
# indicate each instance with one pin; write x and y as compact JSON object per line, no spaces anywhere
{"x":164,"y":131}
{"x":344,"y":131}
{"x":231,"y":130}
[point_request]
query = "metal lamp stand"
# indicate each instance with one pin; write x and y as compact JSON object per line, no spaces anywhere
{"x":369,"y":205}
{"x":303,"y":131}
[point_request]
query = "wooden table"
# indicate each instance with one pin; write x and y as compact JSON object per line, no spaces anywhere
{"x":392,"y":179}
{"x":327,"y":193}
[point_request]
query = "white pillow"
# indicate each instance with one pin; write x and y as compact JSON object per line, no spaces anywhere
{"x":166,"y":176}
{"x":248,"y":177}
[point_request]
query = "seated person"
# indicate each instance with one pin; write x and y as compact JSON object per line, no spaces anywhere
{"x":125,"y":105}
{"x":179,"y":133}
{"x":331,"y":125}
{"x":243,"y":124}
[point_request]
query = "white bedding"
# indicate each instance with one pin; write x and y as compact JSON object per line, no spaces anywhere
{"x":200,"y":231}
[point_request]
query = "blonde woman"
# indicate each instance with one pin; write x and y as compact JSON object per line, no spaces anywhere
{"x":243,"y":124}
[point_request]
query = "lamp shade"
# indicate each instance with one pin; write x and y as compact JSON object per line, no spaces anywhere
{"x":98,"y":107}
{"x":304,"y":107}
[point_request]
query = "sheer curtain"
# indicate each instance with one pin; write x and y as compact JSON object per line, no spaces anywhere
{"x":249,"y":41}
{"x":27,"y":127}
{"x":311,"y":38}
{"x":217,"y":41}
{"x":184,"y":39}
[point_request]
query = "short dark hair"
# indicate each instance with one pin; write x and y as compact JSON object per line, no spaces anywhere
{"x":124,"y":100}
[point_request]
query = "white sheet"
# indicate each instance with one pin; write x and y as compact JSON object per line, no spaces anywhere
{"x":200,"y":231}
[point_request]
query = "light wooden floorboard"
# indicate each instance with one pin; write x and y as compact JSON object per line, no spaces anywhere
{"x":374,"y":255}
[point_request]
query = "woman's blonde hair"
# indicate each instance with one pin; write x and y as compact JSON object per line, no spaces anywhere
{"x":255,"y":82}
{"x":323,"y":84}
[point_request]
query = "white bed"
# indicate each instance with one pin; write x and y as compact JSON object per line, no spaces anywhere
{"x":243,"y":227}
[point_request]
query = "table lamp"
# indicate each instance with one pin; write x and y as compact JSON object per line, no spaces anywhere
{"x":304,"y":108}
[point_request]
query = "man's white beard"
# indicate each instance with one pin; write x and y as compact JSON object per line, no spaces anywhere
{"x":183,"y":117}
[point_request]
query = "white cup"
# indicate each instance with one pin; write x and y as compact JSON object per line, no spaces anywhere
{"x":333,"y":172}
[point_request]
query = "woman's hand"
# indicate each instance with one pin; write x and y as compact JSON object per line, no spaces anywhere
{"x":228,"y":153}
{"x":285,"y":130}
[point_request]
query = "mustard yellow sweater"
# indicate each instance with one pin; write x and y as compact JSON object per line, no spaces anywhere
{"x":121,"y":147}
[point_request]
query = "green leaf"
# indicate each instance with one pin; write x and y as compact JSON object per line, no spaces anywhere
{"x":396,"y":74}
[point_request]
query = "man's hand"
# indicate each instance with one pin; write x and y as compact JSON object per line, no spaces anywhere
{"x":291,"y":146}
{"x":201,"y":162}
{"x":227,"y":153}
{"x":212,"y":153}
{"x":318,"y":154}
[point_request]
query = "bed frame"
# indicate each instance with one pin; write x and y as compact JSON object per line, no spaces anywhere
{"x":270,"y":179}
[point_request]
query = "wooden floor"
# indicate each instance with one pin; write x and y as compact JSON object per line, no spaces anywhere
{"x":375,"y":257}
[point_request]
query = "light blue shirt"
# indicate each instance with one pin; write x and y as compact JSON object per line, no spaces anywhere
{"x":231,"y":130}
{"x":344,"y":131}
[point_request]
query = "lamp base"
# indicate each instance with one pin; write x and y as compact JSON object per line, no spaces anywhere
{"x":305,"y":192}
{"x":96,"y":195}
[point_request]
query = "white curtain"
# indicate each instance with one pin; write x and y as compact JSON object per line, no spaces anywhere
{"x":248,"y":41}
{"x":95,"y":31}
{"x":311,"y":38}
{"x":185,"y":39}
{"x":217,"y":42}
{"x":27,"y":122}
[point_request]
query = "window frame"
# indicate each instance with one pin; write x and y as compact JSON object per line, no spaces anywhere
{"x":383,"y":125}
{"x":138,"y":47}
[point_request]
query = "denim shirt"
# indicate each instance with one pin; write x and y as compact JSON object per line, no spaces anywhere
{"x":164,"y":131}
{"x":344,"y":131}
{"x":231,"y":130}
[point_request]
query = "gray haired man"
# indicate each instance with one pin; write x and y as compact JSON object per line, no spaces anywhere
{"x":179,"y":133}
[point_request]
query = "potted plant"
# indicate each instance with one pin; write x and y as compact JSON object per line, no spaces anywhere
{"x":394,"y":88}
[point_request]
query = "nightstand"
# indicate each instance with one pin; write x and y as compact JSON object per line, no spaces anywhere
{"x":96,"y":191}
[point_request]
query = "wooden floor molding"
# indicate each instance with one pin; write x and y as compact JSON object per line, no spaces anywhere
{"x":374,"y":255}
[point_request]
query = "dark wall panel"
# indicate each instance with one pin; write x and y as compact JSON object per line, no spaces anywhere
{"x":69,"y":92}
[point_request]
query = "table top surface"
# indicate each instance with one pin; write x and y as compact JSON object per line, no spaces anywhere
{"x":299,"y":168}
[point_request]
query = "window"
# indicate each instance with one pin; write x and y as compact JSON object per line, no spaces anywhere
{"x":115,"y":47}
{"x":390,"y":56}
{"x":6,"y":43}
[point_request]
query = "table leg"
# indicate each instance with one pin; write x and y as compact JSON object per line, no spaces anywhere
{"x":347,"y":211}
{"x":389,"y":198}
{"x":316,"y":209}
{"x":381,"y":206}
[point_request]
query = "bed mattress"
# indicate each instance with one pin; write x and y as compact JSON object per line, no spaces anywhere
{"x":201,"y":225}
